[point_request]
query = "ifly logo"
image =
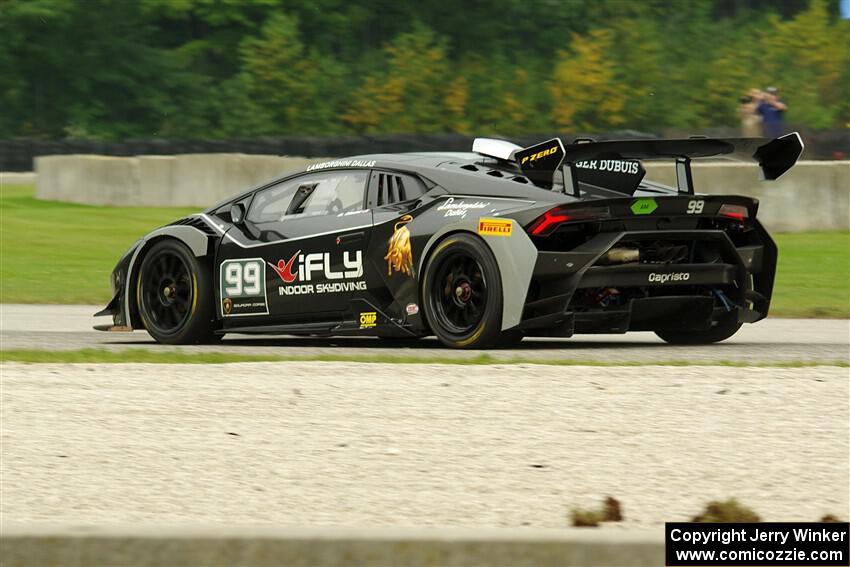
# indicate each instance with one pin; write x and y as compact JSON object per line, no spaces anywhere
{"x":302,"y":267}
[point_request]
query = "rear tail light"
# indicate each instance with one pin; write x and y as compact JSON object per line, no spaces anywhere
{"x":736,"y":212}
{"x":551,"y":219}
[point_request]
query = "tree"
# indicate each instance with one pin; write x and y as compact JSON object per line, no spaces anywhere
{"x":209,"y":68}
{"x":808,"y":56}
{"x":639,"y":71}
{"x":733,"y":72}
{"x":86,"y":68}
{"x":456,"y":103}
{"x":585,"y":95}
{"x":411,"y":95}
{"x":287,"y":80}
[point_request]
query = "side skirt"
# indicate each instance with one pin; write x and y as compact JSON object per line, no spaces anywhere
{"x":365,"y":320}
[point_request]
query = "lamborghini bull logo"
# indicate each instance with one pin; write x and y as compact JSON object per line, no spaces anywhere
{"x":399,"y":255}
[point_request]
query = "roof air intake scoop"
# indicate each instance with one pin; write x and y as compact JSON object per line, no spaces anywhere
{"x":499,"y":149}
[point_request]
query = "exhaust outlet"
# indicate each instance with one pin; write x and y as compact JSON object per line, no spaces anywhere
{"x":621,"y":256}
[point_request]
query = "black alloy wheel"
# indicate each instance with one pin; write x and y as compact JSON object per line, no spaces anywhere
{"x":462,"y":293}
{"x":167,"y":292}
{"x":174,"y":295}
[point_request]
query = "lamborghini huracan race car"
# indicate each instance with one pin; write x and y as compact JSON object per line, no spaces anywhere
{"x":479,"y":249}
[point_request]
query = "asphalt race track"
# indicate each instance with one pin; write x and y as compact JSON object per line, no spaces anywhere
{"x":69,"y":327}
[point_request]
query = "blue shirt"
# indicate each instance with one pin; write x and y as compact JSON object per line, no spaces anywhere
{"x":772,"y":120}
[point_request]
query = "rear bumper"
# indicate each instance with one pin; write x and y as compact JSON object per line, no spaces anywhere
{"x":684,"y":296}
{"x":676,"y":275}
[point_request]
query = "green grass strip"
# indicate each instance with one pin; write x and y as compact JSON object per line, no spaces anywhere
{"x":54,"y":252}
{"x":183,"y":357}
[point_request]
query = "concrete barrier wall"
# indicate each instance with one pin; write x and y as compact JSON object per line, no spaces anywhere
{"x":258,"y":547}
{"x":17,"y":178}
{"x":812,"y":196}
{"x":95,"y":180}
{"x":190,"y":180}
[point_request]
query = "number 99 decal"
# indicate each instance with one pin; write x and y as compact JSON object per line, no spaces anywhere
{"x":242,"y":278}
{"x":695,"y":207}
{"x":243,"y":287}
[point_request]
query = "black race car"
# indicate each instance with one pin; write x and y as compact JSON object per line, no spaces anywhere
{"x":479,"y":249}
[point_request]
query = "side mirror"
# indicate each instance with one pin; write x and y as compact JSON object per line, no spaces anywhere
{"x":237,"y":213}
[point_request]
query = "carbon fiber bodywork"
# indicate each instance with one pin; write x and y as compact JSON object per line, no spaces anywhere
{"x":741,"y":268}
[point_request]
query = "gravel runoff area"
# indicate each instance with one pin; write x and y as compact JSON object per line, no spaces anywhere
{"x":315,"y":444}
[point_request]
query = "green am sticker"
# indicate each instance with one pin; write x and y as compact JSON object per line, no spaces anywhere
{"x":644,"y":206}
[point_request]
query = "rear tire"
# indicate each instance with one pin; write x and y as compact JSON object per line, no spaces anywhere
{"x":174,"y":294}
{"x":724,"y":329}
{"x":462,"y":293}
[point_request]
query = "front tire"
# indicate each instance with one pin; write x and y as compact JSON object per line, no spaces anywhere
{"x":462,"y":293}
{"x":174,"y":295}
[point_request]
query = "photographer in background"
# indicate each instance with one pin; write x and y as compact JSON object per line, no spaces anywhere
{"x":751,"y":122}
{"x":771,"y":110}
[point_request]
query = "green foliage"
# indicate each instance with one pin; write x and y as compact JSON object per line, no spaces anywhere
{"x":728,"y":511}
{"x":285,"y":79}
{"x":416,"y":92}
{"x":426,"y":356}
{"x":228,"y":68}
{"x":611,"y":511}
{"x":808,"y":55}
{"x":584,"y":90}
{"x":640,"y":55}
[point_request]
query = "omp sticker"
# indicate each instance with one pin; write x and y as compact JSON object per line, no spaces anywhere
{"x":368,"y":319}
{"x":242,"y":286}
{"x":495,"y":227}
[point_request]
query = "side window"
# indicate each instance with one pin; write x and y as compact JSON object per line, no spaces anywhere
{"x":269,"y":205}
{"x":317,"y":194}
{"x":340,"y":192}
{"x":387,"y":188}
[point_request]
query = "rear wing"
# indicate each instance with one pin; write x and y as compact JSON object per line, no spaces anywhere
{"x":583,"y":160}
